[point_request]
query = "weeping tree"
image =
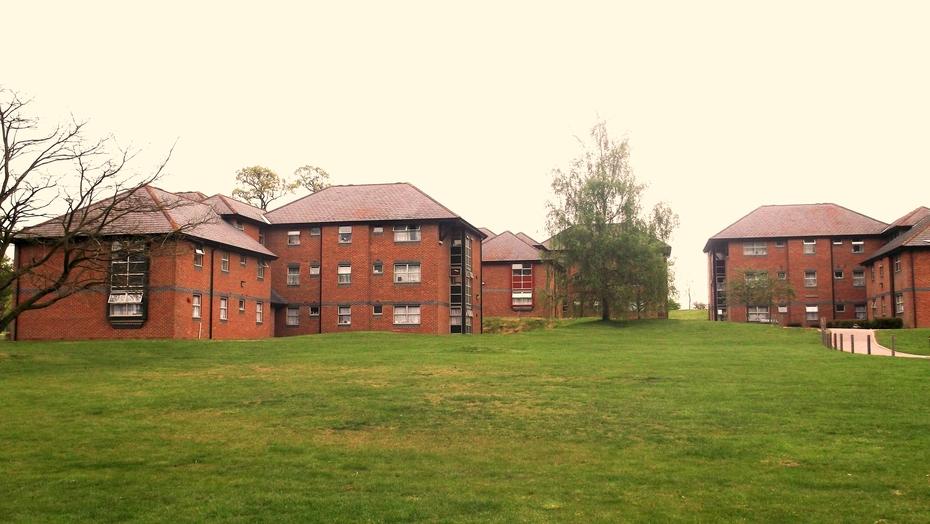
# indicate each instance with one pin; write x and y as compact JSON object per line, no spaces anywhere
{"x":607,"y":249}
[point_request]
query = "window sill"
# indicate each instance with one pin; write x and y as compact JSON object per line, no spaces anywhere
{"x":407,"y":283}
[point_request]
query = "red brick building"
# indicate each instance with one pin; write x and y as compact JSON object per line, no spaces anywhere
{"x":516,"y":281}
{"x":836,"y":261}
{"x":370,"y":257}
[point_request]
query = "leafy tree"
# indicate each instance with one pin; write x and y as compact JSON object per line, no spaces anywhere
{"x":6,"y":294}
{"x":616,"y":255}
{"x":312,"y":178}
{"x":757,"y":289}
{"x":261,"y":186}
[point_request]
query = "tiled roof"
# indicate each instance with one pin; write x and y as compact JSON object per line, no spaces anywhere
{"x":153,"y":211}
{"x":803,"y":220}
{"x":529,"y":240}
{"x":361,"y":203}
{"x":487,"y":232}
{"x":507,"y":247}
{"x":917,"y":236}
{"x":196,"y":196}
{"x":225,"y":205}
{"x":911,"y":218}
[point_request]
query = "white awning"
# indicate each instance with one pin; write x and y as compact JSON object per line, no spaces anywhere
{"x":811,"y":309}
{"x":522,"y":294}
{"x":293,"y":232}
{"x":125,"y":298}
{"x":198,"y":251}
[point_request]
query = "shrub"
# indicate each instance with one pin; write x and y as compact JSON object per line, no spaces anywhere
{"x":878,"y":323}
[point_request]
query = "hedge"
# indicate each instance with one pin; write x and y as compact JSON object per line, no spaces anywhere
{"x":878,"y":323}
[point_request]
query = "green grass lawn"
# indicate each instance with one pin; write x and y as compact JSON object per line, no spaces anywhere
{"x":650,"y":421}
{"x":915,"y":341}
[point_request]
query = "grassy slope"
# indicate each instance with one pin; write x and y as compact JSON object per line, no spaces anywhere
{"x":907,"y":340}
{"x":673,"y":420}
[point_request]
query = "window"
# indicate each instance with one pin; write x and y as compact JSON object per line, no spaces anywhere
{"x":840,"y":308}
{"x":810,"y":279}
{"x":810,"y":247}
{"x":345,"y":234}
{"x":861,"y":313}
{"x":837,"y":242}
{"x":858,"y":246}
{"x":406,"y":315}
{"x":755,"y":249}
{"x":811,"y":313}
{"x":241,"y":305}
{"x":899,"y":303}
{"x":238,"y":225}
{"x":198,"y":256}
{"x":345,"y":315}
{"x":344,"y":274}
{"x":224,"y":262}
{"x":128,"y":275}
{"x":293,"y":275}
{"x":779,"y":243}
{"x":314,"y":268}
{"x":406,"y":233}
{"x":293,"y":238}
{"x":838,"y":274}
{"x":314,"y":231}
{"x":377,"y":268}
{"x":293,"y":316}
{"x":377,"y":310}
{"x":405,"y":273}
{"x":783,"y":309}
{"x":259,"y":312}
{"x":455,"y":316}
{"x":314,"y":311}
{"x":881,"y":271}
{"x":755,"y":276}
{"x":884,"y":307}
{"x":858,"y":277}
{"x":260,"y":269}
{"x":261,"y":237}
{"x":872,"y":271}
{"x":874,"y":305}
{"x":782,"y":275}
{"x":758,"y":314}
{"x":224,"y":308}
{"x":243,"y":260}
{"x":377,"y":230}
{"x":195,"y":306}
{"x":521,"y":285}
{"x":897,"y":264}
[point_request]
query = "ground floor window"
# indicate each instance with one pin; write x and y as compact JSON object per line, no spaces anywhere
{"x":758,"y":313}
{"x":345,"y":315}
{"x":293,"y":316}
{"x":861,"y":313}
{"x":377,"y":309}
{"x":224,"y":308}
{"x":314,"y":311}
{"x":783,"y":309}
{"x":195,"y":306}
{"x":840,"y":308}
{"x":242,"y":305}
{"x":899,"y":303}
{"x":406,"y":315}
{"x":811,"y":313}
{"x":259,"y":312}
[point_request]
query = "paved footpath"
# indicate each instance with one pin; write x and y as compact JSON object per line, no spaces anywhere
{"x":861,"y":343}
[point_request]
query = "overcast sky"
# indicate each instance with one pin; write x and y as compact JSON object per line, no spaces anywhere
{"x":727,"y":105}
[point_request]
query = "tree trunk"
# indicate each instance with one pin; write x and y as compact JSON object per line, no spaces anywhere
{"x":605,"y":310}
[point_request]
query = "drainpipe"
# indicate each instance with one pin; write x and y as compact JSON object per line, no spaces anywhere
{"x":891,"y":273}
{"x":210,"y":294}
{"x":832,"y":282}
{"x":319,"y":319}
{"x":913,"y":290}
{"x":17,"y":255}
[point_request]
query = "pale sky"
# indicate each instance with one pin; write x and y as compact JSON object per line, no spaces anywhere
{"x":727,"y":105}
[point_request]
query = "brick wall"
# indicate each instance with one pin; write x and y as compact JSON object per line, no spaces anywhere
{"x":497,"y":282}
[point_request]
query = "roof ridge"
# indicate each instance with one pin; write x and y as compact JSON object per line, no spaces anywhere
{"x":456,"y":215}
{"x":154,"y":197}
{"x":860,"y":214}
{"x":302,"y":198}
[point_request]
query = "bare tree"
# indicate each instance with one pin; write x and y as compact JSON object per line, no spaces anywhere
{"x":70,"y":196}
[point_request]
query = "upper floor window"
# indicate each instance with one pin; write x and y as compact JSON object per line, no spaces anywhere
{"x":314,"y":268}
{"x":344,"y":274}
{"x":293,"y":275}
{"x":377,"y":230}
{"x":238,"y":225}
{"x":345,"y":234}
{"x":408,"y":272}
{"x":293,"y":238}
{"x":315,"y":231}
{"x":810,"y":247}
{"x":260,"y":268}
{"x":224,"y":262}
{"x":858,"y":246}
{"x":406,"y":233}
{"x":838,"y":274}
{"x":377,"y":267}
{"x":755,"y":248}
{"x":128,"y":275}
{"x":755,"y":276}
{"x":261,"y":237}
{"x":837,"y":242}
{"x":858,"y":277}
{"x":779,"y":243}
{"x":782,"y":275}
{"x":521,"y":284}
{"x":198,"y":256}
{"x":897,"y":264}
{"x":810,"y":279}
{"x":243,"y":260}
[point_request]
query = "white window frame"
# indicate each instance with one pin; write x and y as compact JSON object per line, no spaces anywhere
{"x":899,"y":303}
{"x":782,"y":275}
{"x":345,"y":234}
{"x":862,"y":311}
{"x":377,"y":268}
{"x":377,"y":230}
{"x":196,"y":305}
{"x":224,"y":262}
{"x":810,"y":281}
{"x":241,"y":305}
{"x":783,"y":309}
{"x":755,"y":248}
{"x":243,"y":260}
{"x":407,"y":315}
{"x":315,"y":231}
{"x":839,"y":308}
{"x":838,"y":274}
{"x":293,"y":238}
{"x":858,"y":280}
{"x":198,"y":256}
{"x":259,"y":312}
{"x":310,"y":311}
{"x":811,"y":313}
{"x":344,"y":315}
{"x":407,"y":233}
{"x":407,"y":272}
{"x":344,"y":274}
{"x":858,"y":246}
{"x":292,"y":316}
{"x":758,"y":314}
{"x":779,"y":243}
{"x":314,"y":268}
{"x":293,"y":275}
{"x":810,"y":246}
{"x":260,"y":269}
{"x":224,"y":308}
{"x":897,"y":264}
{"x":377,"y":310}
